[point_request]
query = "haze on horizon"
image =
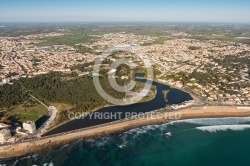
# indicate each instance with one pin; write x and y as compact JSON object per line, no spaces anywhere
{"x":129,"y":10}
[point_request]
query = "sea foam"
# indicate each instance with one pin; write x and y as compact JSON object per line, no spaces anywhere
{"x":133,"y":133}
{"x":214,"y":121}
{"x":214,"y":129}
{"x":139,"y":131}
{"x":101,"y":142}
{"x":210,"y":125}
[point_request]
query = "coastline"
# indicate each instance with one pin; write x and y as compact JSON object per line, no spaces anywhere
{"x":25,"y":148}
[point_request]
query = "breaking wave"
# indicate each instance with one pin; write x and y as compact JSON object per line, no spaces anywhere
{"x":214,"y":129}
{"x":99,"y":142}
{"x":210,"y":124}
{"x":214,"y":121}
{"x":129,"y":136}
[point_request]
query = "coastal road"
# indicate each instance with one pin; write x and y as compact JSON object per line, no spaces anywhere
{"x":190,"y":113}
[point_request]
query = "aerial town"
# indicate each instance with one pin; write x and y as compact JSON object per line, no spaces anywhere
{"x":177,"y":57}
{"x":93,"y":82}
{"x":181,"y":62}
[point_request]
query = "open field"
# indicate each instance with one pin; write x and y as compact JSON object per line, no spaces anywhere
{"x":68,"y":39}
{"x":21,"y":113}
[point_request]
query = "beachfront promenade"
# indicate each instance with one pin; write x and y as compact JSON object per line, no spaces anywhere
{"x":146,"y":115}
{"x":159,"y":112}
{"x":32,"y":145}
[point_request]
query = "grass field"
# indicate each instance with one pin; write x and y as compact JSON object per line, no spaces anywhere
{"x":69,"y":39}
{"x":22,"y":114}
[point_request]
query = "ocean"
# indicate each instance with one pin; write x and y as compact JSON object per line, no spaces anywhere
{"x":206,"y":142}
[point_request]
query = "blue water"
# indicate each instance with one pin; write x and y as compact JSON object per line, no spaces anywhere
{"x":174,"y":96}
{"x":217,"y":142}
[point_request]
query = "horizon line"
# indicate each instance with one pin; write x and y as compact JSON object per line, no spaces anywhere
{"x":204,"y":22}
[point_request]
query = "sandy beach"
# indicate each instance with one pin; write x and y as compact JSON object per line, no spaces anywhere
{"x":190,"y":113}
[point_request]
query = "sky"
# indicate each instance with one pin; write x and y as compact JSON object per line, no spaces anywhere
{"x":237,"y":11}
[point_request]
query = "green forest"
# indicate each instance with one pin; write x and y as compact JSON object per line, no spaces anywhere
{"x":57,"y":88}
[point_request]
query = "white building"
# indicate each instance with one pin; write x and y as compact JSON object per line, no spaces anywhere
{"x":30,"y":126}
{"x":4,"y":135}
